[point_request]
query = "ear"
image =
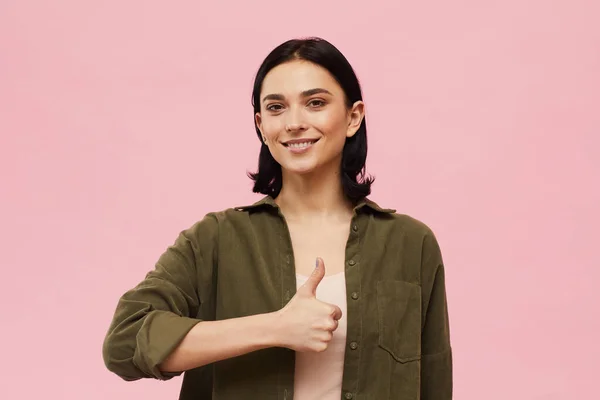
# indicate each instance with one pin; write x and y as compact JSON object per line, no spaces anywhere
{"x":258,"y":122}
{"x":355,"y":117}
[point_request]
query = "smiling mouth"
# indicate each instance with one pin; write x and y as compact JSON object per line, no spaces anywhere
{"x":301,"y":145}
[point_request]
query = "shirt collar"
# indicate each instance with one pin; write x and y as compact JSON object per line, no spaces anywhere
{"x":268,"y":201}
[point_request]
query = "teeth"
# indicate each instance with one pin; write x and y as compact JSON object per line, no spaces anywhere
{"x":299,"y":145}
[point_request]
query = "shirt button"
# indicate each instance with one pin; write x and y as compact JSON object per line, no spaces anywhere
{"x":355,"y":295}
{"x":351,"y":262}
{"x":348,"y":396}
{"x":354,"y":345}
{"x":355,"y":228}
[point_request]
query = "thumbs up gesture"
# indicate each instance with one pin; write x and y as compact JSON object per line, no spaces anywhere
{"x":305,"y":323}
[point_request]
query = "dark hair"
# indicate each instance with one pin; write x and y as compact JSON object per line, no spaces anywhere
{"x":268,"y":180}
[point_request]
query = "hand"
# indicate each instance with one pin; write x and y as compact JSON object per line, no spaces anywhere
{"x":305,"y":323}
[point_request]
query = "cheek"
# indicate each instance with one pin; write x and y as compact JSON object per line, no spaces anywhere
{"x":331,"y":124}
{"x":271,"y":127}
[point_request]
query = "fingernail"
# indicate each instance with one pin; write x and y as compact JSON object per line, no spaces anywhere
{"x":317,"y":262}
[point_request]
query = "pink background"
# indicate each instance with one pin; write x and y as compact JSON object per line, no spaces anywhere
{"x":123,"y":122}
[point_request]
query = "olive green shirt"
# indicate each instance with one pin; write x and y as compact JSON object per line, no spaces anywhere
{"x":240,"y":262}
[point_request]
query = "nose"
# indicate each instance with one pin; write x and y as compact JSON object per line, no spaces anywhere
{"x":295,"y":121}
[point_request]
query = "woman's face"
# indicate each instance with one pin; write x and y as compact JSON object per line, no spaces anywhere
{"x":303,"y":117}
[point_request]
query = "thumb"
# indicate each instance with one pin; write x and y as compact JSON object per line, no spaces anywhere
{"x":315,"y":278}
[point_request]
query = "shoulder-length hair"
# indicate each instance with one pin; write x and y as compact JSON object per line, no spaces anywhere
{"x":268,"y":179}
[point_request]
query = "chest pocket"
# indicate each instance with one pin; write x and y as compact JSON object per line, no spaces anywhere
{"x":399,"y":315}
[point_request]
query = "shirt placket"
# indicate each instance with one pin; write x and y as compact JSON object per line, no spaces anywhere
{"x":288,"y":289}
{"x":353,"y":300}
{"x":353,"y":296}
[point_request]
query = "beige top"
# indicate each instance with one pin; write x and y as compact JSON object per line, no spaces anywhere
{"x":318,"y":376}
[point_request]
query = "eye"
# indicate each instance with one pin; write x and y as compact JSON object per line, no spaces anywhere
{"x":316,"y":103}
{"x":274,"y":107}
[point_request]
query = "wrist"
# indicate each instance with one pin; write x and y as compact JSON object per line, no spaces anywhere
{"x":273,"y":334}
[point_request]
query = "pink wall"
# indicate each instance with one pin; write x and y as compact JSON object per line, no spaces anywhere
{"x":124,"y":122}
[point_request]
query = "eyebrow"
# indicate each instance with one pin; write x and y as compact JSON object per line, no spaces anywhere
{"x":306,"y":93}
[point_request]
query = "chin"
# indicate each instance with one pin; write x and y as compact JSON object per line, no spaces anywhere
{"x":299,"y":169}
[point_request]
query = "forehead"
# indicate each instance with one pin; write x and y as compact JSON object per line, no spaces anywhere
{"x":293,"y":77}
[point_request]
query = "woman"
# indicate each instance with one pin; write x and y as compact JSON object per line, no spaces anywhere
{"x":314,"y":292}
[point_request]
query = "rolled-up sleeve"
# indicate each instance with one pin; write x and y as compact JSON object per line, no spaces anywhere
{"x":436,"y":363}
{"x":153,"y":318}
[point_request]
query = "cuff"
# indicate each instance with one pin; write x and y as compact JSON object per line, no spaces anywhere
{"x":160,"y":335}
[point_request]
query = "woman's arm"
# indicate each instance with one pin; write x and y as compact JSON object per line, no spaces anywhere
{"x":152,"y":319}
{"x":211,"y":341}
{"x":155,"y":332}
{"x":304,"y":324}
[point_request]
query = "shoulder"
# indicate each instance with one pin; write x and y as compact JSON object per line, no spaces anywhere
{"x":387,"y":218}
{"x":411,"y":224}
{"x":419,"y":229}
{"x":408,"y":232}
{"x":424,"y":237}
{"x":402,"y":224}
{"x":222,"y":220}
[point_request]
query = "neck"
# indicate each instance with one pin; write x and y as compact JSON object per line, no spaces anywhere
{"x":316,"y":195}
